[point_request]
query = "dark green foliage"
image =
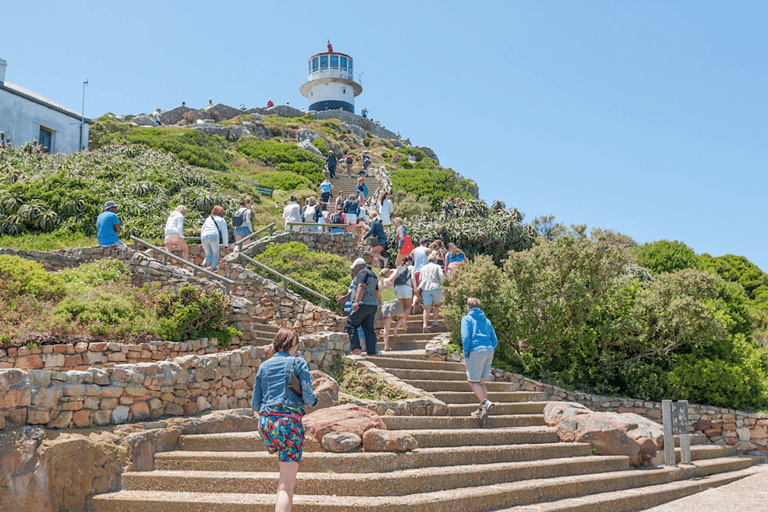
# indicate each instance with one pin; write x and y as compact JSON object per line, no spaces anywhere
{"x":738,"y":269}
{"x":574,"y":317}
{"x":24,"y":277}
{"x":324,"y":273}
{"x":192,"y":311}
{"x":284,"y":157}
{"x":282,"y":180}
{"x":433,"y":184}
{"x":665,"y":256}
{"x":321,"y":145}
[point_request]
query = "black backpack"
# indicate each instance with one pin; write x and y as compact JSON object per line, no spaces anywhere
{"x":239,"y":217}
{"x":336,"y":218}
{"x":403,"y":276}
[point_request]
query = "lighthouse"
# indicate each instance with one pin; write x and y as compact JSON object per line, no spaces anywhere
{"x":330,"y":83}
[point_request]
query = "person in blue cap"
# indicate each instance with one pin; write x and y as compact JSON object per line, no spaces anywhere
{"x":108,"y":225}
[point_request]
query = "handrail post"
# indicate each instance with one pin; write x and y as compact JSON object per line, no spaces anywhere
{"x":285,"y":284}
{"x":135,"y":245}
{"x":165,"y":259}
{"x":226,"y":288}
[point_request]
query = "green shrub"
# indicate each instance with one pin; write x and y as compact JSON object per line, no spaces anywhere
{"x":325,"y":273}
{"x":433,"y":184}
{"x":665,"y":256}
{"x":46,"y":241}
{"x":321,"y":145}
{"x":23,"y":277}
{"x":89,"y":275}
{"x":283,"y":156}
{"x":282,"y":180}
{"x":361,"y":383}
{"x":191,"y":311}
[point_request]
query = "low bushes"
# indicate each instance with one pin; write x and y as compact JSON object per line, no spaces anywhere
{"x":284,"y":157}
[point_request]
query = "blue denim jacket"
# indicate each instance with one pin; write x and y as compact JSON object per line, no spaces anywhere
{"x":269,"y":387}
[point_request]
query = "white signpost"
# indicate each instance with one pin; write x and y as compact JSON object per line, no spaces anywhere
{"x":675,"y":417}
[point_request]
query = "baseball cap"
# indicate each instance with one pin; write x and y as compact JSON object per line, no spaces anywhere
{"x":358,"y":261}
{"x":109,"y":205}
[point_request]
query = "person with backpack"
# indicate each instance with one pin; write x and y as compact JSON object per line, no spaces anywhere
{"x":378,"y":240}
{"x":390,"y":306}
{"x":292,"y":213}
{"x":366,"y":163}
{"x":404,"y":283}
{"x":242,"y":220}
{"x":348,"y":161}
{"x":309,"y":215}
{"x":366,"y":302}
{"x":213,"y":234}
{"x":331,"y":162}
{"x":325,"y":191}
{"x":351,"y":210}
{"x":404,"y":242}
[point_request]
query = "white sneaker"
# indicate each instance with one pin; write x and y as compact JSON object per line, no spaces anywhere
{"x":486,"y":408}
{"x":478,"y":413}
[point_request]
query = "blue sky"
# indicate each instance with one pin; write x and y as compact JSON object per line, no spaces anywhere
{"x":649,"y":118}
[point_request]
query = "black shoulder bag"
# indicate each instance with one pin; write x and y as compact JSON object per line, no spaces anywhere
{"x":293,"y":382}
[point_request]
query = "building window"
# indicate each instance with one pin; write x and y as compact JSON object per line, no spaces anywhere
{"x":314,"y":64}
{"x":343,"y":63}
{"x":344,"y":90}
{"x":309,"y":64}
{"x":45,"y":139}
{"x":323,"y":62}
{"x":350,"y":66}
{"x":334,"y":62}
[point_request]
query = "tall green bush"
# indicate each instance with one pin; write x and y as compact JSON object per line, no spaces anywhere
{"x":192,"y":311}
{"x":23,"y":277}
{"x":665,"y":256}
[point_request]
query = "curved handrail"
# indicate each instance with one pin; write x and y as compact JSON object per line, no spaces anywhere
{"x":195,"y":268}
{"x":239,"y":243}
{"x":285,"y":279}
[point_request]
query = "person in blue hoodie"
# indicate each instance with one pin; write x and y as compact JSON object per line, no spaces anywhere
{"x":479,"y":341}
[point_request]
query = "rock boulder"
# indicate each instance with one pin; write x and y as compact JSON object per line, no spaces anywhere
{"x":609,"y":433}
{"x":306,"y":144}
{"x":377,"y":440}
{"x":341,"y":418}
{"x":326,"y":390}
{"x":341,"y":442}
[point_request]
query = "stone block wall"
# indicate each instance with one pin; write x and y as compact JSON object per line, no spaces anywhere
{"x":138,"y":392}
{"x":340,"y":244}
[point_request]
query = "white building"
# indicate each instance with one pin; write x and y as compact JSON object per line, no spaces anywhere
{"x":330,"y":82}
{"x":26,"y":116}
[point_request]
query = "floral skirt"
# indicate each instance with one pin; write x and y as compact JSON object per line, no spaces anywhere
{"x":282,"y":432}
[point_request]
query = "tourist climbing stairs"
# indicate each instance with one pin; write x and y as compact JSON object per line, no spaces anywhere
{"x":511,"y":461}
{"x":346,"y":186}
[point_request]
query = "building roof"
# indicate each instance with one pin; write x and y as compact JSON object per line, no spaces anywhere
{"x":33,"y":96}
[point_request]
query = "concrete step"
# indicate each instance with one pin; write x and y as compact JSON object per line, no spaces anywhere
{"x":377,"y":462}
{"x":462,"y":422}
{"x":468,"y":397}
{"x":479,"y":498}
{"x":404,"y":354}
{"x":695,"y":439}
{"x":502,"y":408}
{"x":394,"y":483}
{"x":413,"y":364}
{"x":457,"y":385}
{"x":699,"y":452}
{"x":428,"y":374}
{"x":483,"y":437}
{"x":635,"y":499}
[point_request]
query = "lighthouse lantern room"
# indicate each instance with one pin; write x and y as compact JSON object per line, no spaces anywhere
{"x":330,"y":82}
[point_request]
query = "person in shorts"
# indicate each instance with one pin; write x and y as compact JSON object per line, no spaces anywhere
{"x":280,"y":409}
{"x":479,"y":342}
{"x":246,"y":227}
{"x":430,"y":287}
{"x":174,"y":231}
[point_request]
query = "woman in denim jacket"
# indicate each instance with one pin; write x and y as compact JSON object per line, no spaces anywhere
{"x":280,"y":410}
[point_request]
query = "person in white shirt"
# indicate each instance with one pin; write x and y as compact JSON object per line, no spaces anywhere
{"x":214,"y":232}
{"x":385,"y":209}
{"x":309,"y":213}
{"x":420,"y":260}
{"x":292,"y":213}
{"x":431,"y":291}
{"x":174,"y":231}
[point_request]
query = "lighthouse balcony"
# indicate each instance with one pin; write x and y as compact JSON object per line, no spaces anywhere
{"x":331,"y":73}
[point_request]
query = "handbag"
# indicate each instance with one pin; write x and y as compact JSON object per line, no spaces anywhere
{"x":293,"y":382}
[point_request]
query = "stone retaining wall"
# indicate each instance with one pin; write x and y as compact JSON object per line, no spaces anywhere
{"x":138,"y":392}
{"x":340,"y":244}
{"x":746,"y":431}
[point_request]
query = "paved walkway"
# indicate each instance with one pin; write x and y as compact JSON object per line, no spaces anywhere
{"x":749,"y":494}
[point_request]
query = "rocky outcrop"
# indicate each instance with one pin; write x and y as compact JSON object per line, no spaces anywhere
{"x":341,"y":419}
{"x":220,"y":112}
{"x":306,"y":144}
{"x":326,"y":390}
{"x":47,"y":471}
{"x":376,"y":440}
{"x":428,"y":151}
{"x":341,"y":442}
{"x":609,"y":433}
{"x":144,"y":121}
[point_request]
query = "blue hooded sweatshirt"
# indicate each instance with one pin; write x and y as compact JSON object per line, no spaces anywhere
{"x":477,"y":332}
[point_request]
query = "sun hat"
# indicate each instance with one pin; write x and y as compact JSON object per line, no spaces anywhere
{"x":358,"y":261}
{"x":109,"y":204}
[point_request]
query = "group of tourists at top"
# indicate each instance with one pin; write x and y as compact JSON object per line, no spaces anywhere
{"x":213,"y":234}
{"x":331,"y":162}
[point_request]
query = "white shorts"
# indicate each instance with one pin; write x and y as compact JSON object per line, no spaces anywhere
{"x":350,"y":219}
{"x":403,"y":291}
{"x":479,"y":364}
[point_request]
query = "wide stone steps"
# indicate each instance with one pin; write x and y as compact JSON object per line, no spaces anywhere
{"x":483,"y":437}
{"x":394,"y":361}
{"x":394,"y":483}
{"x":504,"y":408}
{"x":699,"y":452}
{"x":406,"y":374}
{"x":479,"y":498}
{"x":375,"y":462}
{"x":462,"y":422}
{"x":629,"y":500}
{"x":456,"y":385}
{"x":467,"y":397}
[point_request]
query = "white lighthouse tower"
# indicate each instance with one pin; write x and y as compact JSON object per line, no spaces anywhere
{"x":330,"y":84}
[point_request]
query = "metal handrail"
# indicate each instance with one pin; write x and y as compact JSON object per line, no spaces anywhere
{"x":240,"y":242}
{"x":285,"y":279}
{"x":195,"y":268}
{"x":289,"y":225}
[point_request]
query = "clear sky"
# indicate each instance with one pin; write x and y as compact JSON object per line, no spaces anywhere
{"x":649,"y":118}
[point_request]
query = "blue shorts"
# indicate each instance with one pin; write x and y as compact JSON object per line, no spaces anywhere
{"x":479,"y":364}
{"x":243,"y":231}
{"x":430,"y":297}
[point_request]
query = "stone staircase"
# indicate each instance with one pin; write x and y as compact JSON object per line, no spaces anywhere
{"x":511,"y":461}
{"x":343,"y":184}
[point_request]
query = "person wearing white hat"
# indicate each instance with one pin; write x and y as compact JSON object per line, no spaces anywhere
{"x":108,"y":225}
{"x":366,"y":302}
